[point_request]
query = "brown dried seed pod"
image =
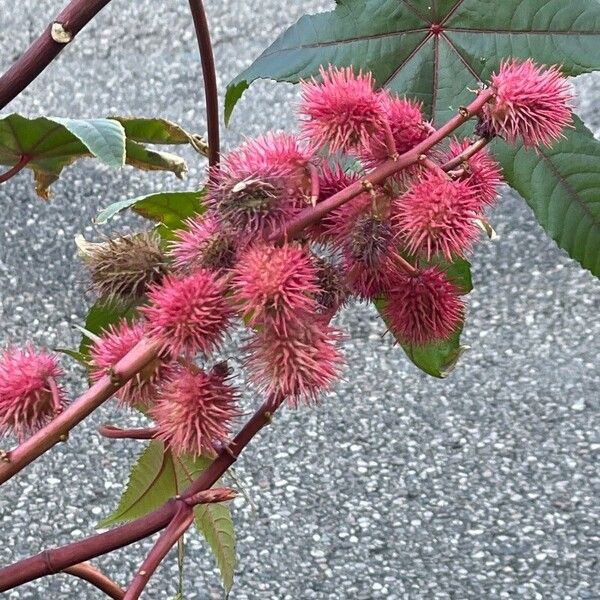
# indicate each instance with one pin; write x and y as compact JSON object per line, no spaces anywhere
{"x":122,"y":268}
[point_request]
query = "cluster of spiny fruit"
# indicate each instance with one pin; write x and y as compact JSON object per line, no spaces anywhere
{"x":235,"y":262}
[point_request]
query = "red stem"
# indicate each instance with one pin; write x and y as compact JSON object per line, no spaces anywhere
{"x":73,"y":18}
{"x":58,"y":429}
{"x":56,"y":404}
{"x":180,"y":523}
{"x":433,"y":166}
{"x":311,"y":215}
{"x":23,"y":161}
{"x":59,"y":559}
{"x":98,"y":579}
{"x":467,"y":153}
{"x":210,"y":79}
{"x":116,"y":433}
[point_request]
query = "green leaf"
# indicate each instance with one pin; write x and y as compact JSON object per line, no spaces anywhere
{"x":395,"y":41}
{"x":104,"y":138}
{"x":170,"y":209}
{"x":458,"y":272}
{"x":562,"y":187}
{"x":52,"y":143}
{"x":155,"y":478}
{"x":151,"y":483}
{"x":437,"y":359}
{"x":99,"y":317}
{"x":77,"y":356}
{"x":160,"y":131}
{"x":158,"y":476}
{"x":215,"y":523}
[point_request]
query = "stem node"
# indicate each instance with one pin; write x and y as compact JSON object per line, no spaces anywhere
{"x":114,"y":377}
{"x":367,"y":185}
{"x":59,"y":34}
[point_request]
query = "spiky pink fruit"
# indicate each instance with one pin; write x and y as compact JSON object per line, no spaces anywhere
{"x":437,"y":217}
{"x":369,"y":251}
{"x":532,"y":102}
{"x":342,"y":110}
{"x":111,"y":347}
{"x":277,"y":153}
{"x":481,"y":172}
{"x":407,"y":127}
{"x":205,"y":243}
{"x":188,"y":314}
{"x":27,"y":400}
{"x":275,"y":285}
{"x":298,"y":365}
{"x":423,"y":308}
{"x":261,"y":185}
{"x":194,"y":410}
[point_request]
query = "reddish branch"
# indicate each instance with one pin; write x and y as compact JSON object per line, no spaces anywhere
{"x":59,"y":559}
{"x":311,"y":215}
{"x":45,"y":49}
{"x":92,"y":575}
{"x":467,"y":153}
{"x":23,"y":162}
{"x":210,"y":79}
{"x":180,"y":523}
{"x":116,"y":433}
{"x":58,"y":429}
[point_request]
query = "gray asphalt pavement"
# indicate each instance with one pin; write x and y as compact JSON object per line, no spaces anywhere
{"x":483,"y":486}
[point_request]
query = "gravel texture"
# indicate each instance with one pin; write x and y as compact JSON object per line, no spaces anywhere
{"x":482,"y":486}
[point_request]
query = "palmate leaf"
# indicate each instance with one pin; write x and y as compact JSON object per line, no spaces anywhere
{"x":396,"y":41}
{"x":52,"y":143}
{"x":158,"y":476}
{"x":439,"y":52}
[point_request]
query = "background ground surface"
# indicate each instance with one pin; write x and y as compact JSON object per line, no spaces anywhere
{"x":483,"y":486}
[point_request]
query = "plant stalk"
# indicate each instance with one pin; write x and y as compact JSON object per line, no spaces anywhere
{"x":210,"y":79}
{"x":89,"y":573}
{"x":59,"y":559}
{"x":116,"y":433}
{"x":68,"y":23}
{"x":58,"y":429}
{"x":21,"y":164}
{"x":311,"y":215}
{"x":180,"y":523}
{"x":466,"y":154}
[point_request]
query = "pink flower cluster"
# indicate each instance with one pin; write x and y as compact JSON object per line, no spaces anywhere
{"x":392,"y":243}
